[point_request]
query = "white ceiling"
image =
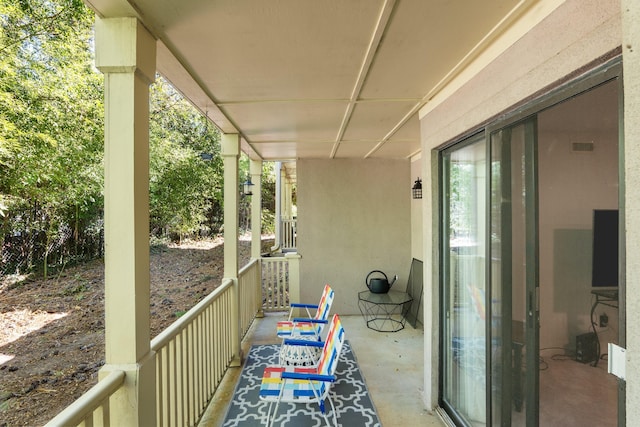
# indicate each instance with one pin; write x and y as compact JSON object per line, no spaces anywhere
{"x":316,"y":78}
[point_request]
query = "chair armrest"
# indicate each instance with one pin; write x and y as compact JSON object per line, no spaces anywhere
{"x":298,"y":305}
{"x":305,"y":343}
{"x":310,"y":377}
{"x":307,"y":320}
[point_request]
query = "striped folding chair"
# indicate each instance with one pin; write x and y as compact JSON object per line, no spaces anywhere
{"x":298,"y":384}
{"x":305,"y":328}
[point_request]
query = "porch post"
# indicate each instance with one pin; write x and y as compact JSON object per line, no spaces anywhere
{"x":230,"y":156}
{"x":255,"y":167}
{"x":286,"y":196}
{"x":631,"y":204}
{"x":126,"y":54}
{"x":278,"y":200}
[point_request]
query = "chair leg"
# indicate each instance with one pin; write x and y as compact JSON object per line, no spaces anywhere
{"x":275,"y":410}
{"x":322,"y":406}
{"x":268,"y":414}
{"x":333,"y":410}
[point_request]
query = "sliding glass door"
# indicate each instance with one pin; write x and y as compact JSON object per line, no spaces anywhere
{"x":489,"y":301}
{"x":517,"y":209}
{"x":463,"y":377}
{"x":514,"y":320}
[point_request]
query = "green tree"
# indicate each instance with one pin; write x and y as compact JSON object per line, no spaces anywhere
{"x":185,"y":189}
{"x":50,"y":123}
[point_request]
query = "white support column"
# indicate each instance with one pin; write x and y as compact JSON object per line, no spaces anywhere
{"x":278,"y":200}
{"x":294,"y":278}
{"x":286,"y":196}
{"x":255,"y":167}
{"x":125,"y":53}
{"x":230,"y":156}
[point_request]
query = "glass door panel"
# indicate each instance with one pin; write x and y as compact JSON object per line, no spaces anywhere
{"x":513,"y":273}
{"x":463,"y":379}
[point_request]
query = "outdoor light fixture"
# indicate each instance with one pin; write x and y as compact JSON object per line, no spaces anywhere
{"x":246,"y":187}
{"x":416,"y":190}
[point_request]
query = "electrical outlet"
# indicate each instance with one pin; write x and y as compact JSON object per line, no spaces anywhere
{"x":604,"y":320}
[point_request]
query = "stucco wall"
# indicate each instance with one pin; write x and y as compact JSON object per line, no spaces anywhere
{"x":416,"y":212}
{"x":416,"y":223}
{"x":631,"y":64}
{"x":354,"y":216}
{"x":575,"y":34}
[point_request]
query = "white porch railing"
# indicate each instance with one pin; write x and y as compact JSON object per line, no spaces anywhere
{"x":288,"y":234}
{"x":275,"y":284}
{"x":250,"y":294}
{"x":193,"y":353}
{"x":92,"y":408}
{"x":191,"y":358}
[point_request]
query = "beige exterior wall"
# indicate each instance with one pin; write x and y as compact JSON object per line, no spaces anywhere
{"x":631,"y":66}
{"x":416,"y":212}
{"x":572,"y":36}
{"x":366,"y":226}
{"x":417,"y":250}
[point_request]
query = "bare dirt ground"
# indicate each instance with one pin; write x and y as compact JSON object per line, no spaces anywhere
{"x":52,"y":331}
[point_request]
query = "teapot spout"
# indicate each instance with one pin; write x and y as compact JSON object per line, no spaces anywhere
{"x":393,"y":281}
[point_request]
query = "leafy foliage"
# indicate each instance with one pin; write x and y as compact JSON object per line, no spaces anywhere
{"x":184,"y":188}
{"x":52,"y":144}
{"x":51,"y":124}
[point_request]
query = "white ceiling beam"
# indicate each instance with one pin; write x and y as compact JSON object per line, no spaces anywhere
{"x":381,"y":27}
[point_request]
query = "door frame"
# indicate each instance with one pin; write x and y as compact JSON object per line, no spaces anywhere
{"x":597,"y":74}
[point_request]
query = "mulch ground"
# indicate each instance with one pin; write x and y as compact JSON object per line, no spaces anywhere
{"x":52,"y":331}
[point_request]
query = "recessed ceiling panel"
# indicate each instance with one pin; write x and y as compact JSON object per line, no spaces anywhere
{"x":373,"y":120}
{"x":398,"y":149}
{"x":410,"y":131}
{"x":287,"y":121}
{"x":354,"y":149}
{"x":425,"y":40}
{"x":290,"y":150}
{"x":287,"y":49}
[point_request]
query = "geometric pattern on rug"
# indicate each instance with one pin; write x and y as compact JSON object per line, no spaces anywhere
{"x":349,"y":394}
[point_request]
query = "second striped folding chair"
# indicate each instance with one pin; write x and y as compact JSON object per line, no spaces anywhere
{"x":305,"y":328}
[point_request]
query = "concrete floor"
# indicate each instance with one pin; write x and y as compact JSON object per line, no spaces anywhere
{"x":392,"y":365}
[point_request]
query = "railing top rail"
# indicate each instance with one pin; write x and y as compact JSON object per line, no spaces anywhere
{"x":247,"y":267}
{"x":75,"y":413}
{"x":176,"y":327}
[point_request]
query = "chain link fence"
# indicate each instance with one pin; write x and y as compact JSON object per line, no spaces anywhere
{"x":27,"y":246}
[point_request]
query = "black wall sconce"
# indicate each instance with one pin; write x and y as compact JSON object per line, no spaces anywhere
{"x":246,"y":187}
{"x":416,"y":190}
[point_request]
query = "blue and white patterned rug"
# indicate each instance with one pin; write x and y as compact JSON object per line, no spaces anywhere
{"x":349,"y":394}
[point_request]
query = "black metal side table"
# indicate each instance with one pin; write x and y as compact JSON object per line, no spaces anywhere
{"x":384,"y":312}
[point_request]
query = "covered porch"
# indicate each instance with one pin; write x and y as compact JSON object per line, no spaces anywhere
{"x":194,"y":359}
{"x":356,"y":100}
{"x":389,"y":362}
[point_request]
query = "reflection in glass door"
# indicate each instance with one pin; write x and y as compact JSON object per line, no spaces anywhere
{"x":514,"y":276}
{"x":463,"y":377}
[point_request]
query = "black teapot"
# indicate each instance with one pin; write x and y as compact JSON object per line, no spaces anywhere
{"x":379,"y":285}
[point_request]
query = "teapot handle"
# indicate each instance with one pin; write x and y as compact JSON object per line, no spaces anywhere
{"x":366,"y":280}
